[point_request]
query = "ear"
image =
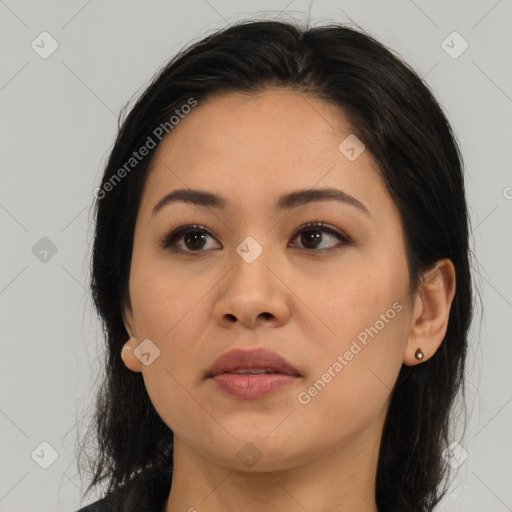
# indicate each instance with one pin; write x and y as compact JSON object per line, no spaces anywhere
{"x":127,"y":353}
{"x":132,"y":362}
{"x":431,"y":311}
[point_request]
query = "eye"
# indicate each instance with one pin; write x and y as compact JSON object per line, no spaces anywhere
{"x":193,"y":238}
{"x":311,"y":236}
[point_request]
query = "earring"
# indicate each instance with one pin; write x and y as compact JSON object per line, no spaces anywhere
{"x":418,"y":354}
{"x":127,"y":344}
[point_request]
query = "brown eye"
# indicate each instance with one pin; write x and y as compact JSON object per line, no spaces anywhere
{"x":312,"y":235}
{"x":187,"y":239}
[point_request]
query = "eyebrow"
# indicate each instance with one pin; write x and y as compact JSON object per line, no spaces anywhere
{"x":285,"y":202}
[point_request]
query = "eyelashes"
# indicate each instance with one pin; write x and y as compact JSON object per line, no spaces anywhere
{"x":171,"y":239}
{"x":196,"y":234}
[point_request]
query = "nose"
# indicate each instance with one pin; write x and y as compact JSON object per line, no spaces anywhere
{"x":253,"y":294}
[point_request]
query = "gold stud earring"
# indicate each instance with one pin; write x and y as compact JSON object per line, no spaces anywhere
{"x":418,"y":354}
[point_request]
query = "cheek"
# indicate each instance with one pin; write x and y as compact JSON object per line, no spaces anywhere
{"x":166,"y":303}
{"x":167,"y":312}
{"x":351,"y":297}
{"x":172,"y":314}
{"x":347,"y":390}
{"x":362,"y":348}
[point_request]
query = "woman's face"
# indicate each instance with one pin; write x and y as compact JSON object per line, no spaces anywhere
{"x":256,"y":277}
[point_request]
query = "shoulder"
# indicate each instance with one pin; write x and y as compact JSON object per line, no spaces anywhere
{"x":147,"y":492}
{"x":109,"y":503}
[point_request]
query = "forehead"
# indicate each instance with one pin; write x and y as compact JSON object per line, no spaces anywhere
{"x":283,"y":122}
{"x":253,"y":148}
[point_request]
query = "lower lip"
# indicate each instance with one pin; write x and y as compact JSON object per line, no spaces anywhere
{"x":250,"y":387}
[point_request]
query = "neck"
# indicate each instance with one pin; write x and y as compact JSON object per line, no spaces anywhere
{"x":337,"y":479}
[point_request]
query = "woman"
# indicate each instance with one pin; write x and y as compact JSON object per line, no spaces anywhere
{"x":281,"y":264}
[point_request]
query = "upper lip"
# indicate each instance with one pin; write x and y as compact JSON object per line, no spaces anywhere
{"x":239,"y":359}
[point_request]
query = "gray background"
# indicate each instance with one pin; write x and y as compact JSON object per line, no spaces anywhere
{"x":58,"y":122}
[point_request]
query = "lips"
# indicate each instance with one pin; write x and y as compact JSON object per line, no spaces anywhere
{"x":251,"y":362}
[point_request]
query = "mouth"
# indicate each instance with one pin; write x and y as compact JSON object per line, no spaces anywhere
{"x":251,"y":362}
{"x":251,"y":374}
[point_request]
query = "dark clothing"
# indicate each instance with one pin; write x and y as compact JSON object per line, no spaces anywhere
{"x":144,"y":493}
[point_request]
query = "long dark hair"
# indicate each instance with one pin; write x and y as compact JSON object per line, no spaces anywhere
{"x":396,"y":116}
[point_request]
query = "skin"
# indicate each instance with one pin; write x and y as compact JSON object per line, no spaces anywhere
{"x":306,"y":305}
